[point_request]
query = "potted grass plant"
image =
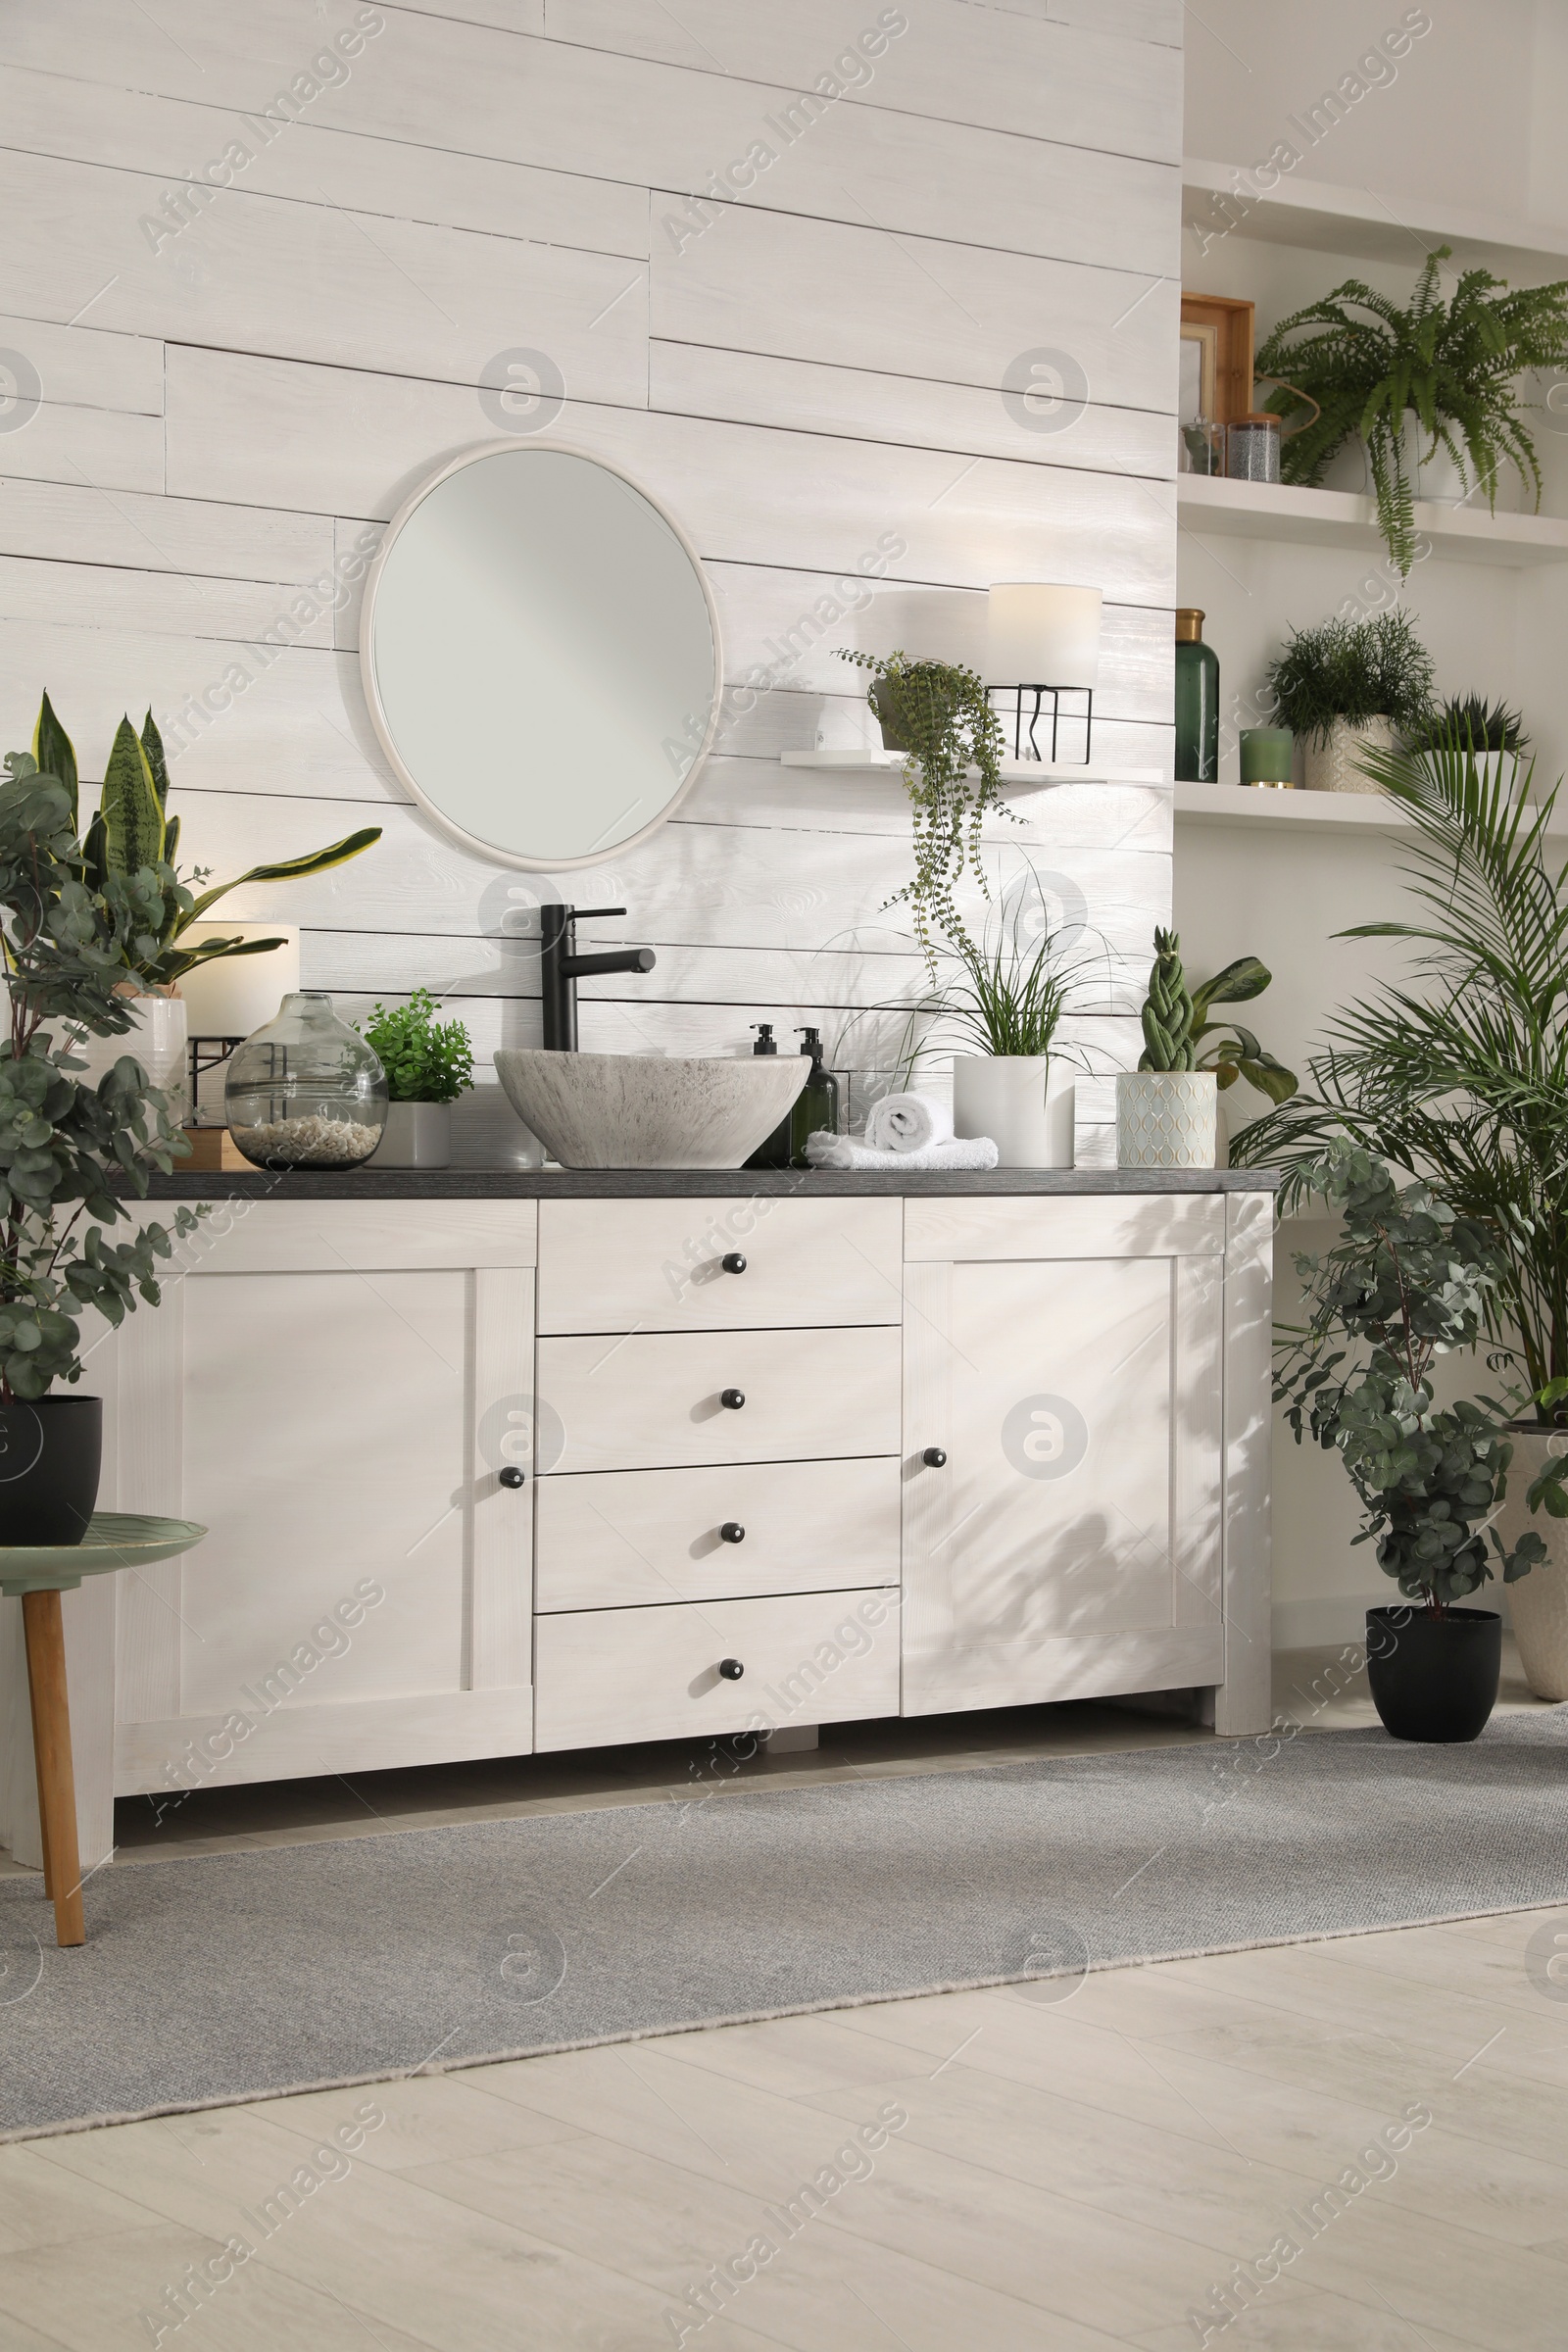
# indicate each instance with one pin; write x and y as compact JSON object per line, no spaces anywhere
{"x":1487,"y":732}
{"x":1435,"y":375}
{"x":1460,"y":1075}
{"x":428,"y":1064}
{"x":1006,"y":999}
{"x":70,"y":1151}
{"x":1409,"y":1281}
{"x":1350,"y":687}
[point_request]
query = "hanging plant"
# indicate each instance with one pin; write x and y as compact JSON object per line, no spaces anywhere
{"x":937,"y":713}
{"x":1453,"y":366}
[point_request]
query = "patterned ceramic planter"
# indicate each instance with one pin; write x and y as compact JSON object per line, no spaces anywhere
{"x":1336,"y":765}
{"x":1166,"y":1118}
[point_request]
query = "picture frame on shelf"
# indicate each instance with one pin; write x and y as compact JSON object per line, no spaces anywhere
{"x":1217,"y":341}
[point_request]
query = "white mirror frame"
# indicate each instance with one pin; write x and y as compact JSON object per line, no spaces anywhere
{"x":489,"y":849}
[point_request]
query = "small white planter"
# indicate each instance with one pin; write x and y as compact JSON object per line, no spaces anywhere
{"x":417,"y":1135}
{"x":1336,"y":765}
{"x":1024,"y":1103}
{"x":156,"y":1039}
{"x":1166,"y":1118}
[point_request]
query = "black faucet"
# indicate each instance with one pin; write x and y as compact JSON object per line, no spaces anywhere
{"x":560,"y":967}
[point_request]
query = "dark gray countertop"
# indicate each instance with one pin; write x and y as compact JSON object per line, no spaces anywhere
{"x":642,"y":1184}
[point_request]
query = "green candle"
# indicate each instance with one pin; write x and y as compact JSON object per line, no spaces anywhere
{"x":1266,"y":755}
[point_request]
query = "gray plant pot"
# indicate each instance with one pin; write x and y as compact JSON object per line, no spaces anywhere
{"x":417,"y":1135}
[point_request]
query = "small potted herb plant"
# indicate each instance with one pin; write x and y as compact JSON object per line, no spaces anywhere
{"x":1410,"y":1281}
{"x":1350,"y":687}
{"x":428,"y":1064}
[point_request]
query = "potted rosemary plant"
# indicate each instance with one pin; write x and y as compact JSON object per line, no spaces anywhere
{"x":1350,"y":687}
{"x":1409,"y":1281}
{"x":1450,"y":369}
{"x":1460,"y":1075}
{"x":69,"y":1151}
{"x":937,"y":713}
{"x":428,"y":1064}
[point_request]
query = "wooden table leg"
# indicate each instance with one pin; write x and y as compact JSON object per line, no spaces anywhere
{"x":51,"y":1748}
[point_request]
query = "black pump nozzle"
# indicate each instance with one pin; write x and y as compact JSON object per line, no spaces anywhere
{"x":766,"y":1042}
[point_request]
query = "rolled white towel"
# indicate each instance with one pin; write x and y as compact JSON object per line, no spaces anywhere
{"x":908,"y":1123}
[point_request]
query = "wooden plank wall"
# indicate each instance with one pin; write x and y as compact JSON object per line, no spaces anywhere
{"x":208,"y":416}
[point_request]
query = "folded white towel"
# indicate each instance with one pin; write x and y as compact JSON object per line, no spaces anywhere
{"x":908,"y":1123}
{"x":843,"y":1151}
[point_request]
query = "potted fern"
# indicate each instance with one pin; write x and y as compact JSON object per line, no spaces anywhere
{"x":428,"y":1064}
{"x":1443,"y":374}
{"x":1350,"y":687}
{"x":938,"y":714}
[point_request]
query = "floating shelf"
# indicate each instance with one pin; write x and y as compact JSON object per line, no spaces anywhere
{"x":1216,"y":201}
{"x":1347,"y":518}
{"x":1291,"y":811}
{"x":1039,"y":772}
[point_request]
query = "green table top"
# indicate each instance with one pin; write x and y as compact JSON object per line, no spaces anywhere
{"x":113,"y":1539}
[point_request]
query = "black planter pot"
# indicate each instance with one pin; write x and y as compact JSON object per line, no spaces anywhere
{"x":49,"y":1459}
{"x":1434,"y":1678}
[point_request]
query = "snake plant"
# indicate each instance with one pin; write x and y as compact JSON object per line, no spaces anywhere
{"x":1168,"y":1014}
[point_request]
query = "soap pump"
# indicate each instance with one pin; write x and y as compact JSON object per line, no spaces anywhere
{"x":773,"y":1152}
{"x":816,"y":1111}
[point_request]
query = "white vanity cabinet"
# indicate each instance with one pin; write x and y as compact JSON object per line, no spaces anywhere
{"x":488,"y":1475}
{"x":333,"y":1390}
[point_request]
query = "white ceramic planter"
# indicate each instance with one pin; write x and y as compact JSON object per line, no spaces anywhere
{"x":1539,"y":1601}
{"x":417,"y":1135}
{"x":1334,"y":765}
{"x":156,"y":1039}
{"x":1166,"y":1118}
{"x":1023,"y":1102}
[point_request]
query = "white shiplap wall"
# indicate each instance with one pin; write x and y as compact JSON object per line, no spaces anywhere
{"x":818,"y":370}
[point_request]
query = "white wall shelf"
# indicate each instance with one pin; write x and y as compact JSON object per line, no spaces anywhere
{"x":1013,"y":771}
{"x":1347,"y":518}
{"x":1289,"y":811}
{"x":1217,"y":201}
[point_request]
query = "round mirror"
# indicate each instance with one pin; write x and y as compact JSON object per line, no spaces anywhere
{"x":541,"y":657}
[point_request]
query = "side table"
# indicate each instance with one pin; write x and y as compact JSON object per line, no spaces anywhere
{"x":40,"y":1573}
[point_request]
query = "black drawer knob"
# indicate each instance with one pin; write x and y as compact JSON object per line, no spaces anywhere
{"x":734,"y":1263}
{"x":512,"y":1476}
{"x":732,"y":1399}
{"x":731,"y":1669}
{"x":934,"y":1458}
{"x":732,"y":1532}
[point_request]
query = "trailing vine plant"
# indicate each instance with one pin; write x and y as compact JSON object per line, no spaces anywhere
{"x":937,"y":713}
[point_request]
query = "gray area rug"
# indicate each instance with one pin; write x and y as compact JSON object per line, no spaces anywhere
{"x":234,"y":1976}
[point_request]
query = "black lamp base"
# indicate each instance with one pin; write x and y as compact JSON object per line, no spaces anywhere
{"x":1028,"y":712}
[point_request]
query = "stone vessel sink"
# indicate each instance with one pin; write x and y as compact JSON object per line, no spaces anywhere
{"x":630,"y":1110}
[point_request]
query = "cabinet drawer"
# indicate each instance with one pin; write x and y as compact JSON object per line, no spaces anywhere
{"x":658,"y":1265}
{"x":630,"y":1538}
{"x":653,"y":1402}
{"x":604,"y":1675}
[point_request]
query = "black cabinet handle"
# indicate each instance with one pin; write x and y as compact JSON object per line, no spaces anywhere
{"x":512,"y":1476}
{"x":934,"y":1458}
{"x":734,"y":1263}
{"x":732,"y":1532}
{"x":732,"y":1399}
{"x":731,"y":1669}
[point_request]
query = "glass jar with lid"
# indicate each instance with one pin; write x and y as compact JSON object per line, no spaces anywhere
{"x":306,"y":1090}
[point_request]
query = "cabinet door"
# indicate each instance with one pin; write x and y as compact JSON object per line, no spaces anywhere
{"x":361,"y":1598}
{"x":1072,"y":1543}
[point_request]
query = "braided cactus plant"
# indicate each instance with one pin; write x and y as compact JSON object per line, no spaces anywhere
{"x":1168,"y":1016}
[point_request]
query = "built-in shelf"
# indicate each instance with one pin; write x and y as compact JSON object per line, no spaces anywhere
{"x":1013,"y":771}
{"x":1289,"y":811}
{"x":1222,"y":200}
{"x":1209,"y":504}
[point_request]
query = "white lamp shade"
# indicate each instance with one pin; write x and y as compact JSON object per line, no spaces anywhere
{"x":1041,"y":635}
{"x":236,"y":995}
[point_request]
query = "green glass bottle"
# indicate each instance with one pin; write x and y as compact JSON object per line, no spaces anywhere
{"x":816,"y":1106}
{"x":1196,"y":701}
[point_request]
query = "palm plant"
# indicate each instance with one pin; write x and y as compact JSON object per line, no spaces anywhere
{"x":1460,"y":1076}
{"x":1451,"y":364}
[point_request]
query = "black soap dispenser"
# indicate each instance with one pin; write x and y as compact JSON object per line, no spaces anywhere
{"x":815,"y":1109}
{"x":773,"y":1152}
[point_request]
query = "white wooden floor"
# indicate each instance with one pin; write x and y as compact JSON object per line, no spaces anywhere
{"x":1058,"y":2175}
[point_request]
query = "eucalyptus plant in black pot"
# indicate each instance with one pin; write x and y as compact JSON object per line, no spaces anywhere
{"x":1407,"y":1282}
{"x":69,"y":1152}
